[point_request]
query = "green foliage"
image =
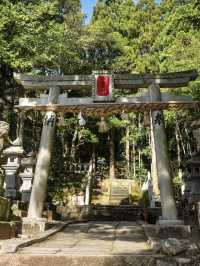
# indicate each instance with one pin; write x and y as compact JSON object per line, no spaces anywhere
{"x":65,"y":189}
{"x":122,"y":35}
{"x":179,"y":41}
{"x":115,"y":122}
{"x":102,"y":166}
{"x":86,"y":136}
{"x":37,"y":34}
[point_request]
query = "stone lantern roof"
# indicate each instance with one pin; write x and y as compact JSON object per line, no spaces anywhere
{"x":28,"y":161}
{"x":195,"y":124}
{"x":193,"y":161}
{"x":192,"y":167}
{"x":14,"y":150}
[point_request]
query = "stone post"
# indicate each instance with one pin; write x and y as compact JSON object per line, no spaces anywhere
{"x":39,"y":187}
{"x":169,"y":212}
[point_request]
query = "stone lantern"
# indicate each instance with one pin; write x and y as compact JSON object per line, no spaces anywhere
{"x":14,"y":155}
{"x":191,"y":178}
{"x":27,"y":164}
{"x":196,"y":133}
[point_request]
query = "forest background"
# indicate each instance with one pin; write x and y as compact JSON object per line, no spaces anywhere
{"x":49,"y":37}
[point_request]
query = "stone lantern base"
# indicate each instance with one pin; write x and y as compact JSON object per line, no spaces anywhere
{"x":163,"y":222}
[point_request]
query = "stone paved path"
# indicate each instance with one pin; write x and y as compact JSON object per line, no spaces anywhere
{"x":100,"y":238}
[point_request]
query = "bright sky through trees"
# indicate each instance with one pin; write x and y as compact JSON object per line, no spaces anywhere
{"x":87,"y":7}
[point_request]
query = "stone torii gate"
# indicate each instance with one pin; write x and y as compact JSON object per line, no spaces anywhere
{"x":101,"y":105}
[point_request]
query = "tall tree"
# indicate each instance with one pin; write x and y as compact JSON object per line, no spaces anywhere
{"x":39,"y":33}
{"x":178,"y":43}
{"x":122,"y":35}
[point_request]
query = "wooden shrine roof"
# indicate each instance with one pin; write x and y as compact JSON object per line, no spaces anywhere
{"x":107,"y":109}
{"x":124,"y":81}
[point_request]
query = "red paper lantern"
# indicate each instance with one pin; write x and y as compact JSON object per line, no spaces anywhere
{"x":103,"y":85}
{"x":102,"y":88}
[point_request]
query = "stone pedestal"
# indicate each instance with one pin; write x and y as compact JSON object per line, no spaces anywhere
{"x":164,"y":222}
{"x":10,"y":181}
{"x":164,"y":231}
{"x":26,"y":186}
{"x":13,"y":155}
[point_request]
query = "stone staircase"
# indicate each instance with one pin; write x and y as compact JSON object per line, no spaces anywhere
{"x":118,"y":206}
{"x":120,"y":192}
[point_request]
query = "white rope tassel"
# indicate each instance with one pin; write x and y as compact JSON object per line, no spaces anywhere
{"x":81,"y":120}
{"x":103,"y":128}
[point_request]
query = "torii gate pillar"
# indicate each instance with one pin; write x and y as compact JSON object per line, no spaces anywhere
{"x":169,"y":211}
{"x":39,"y":188}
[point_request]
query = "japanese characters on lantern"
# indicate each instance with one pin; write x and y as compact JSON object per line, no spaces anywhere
{"x":103,"y":85}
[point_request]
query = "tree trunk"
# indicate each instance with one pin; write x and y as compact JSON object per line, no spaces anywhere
{"x":127,"y":152}
{"x":111,"y":154}
{"x":181,"y":139}
{"x":139,"y":152}
{"x":73,"y":146}
{"x":90,"y":175}
{"x":188,"y":145}
{"x":134,"y":160}
{"x":178,"y":147}
{"x":139,"y":166}
{"x":20,"y":128}
{"x":1,"y":181}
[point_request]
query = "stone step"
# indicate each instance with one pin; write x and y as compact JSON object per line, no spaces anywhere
{"x":118,"y":202}
{"x":77,"y":258}
{"x":119,"y":199}
{"x":114,"y":213}
{"x":120,"y":187}
{"x":123,"y":189}
{"x":119,"y":196}
{"x":120,"y":193}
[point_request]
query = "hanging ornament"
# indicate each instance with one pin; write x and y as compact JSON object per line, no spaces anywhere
{"x":103,"y":127}
{"x":81,"y":120}
{"x":61,"y":120}
{"x":124,"y":115}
